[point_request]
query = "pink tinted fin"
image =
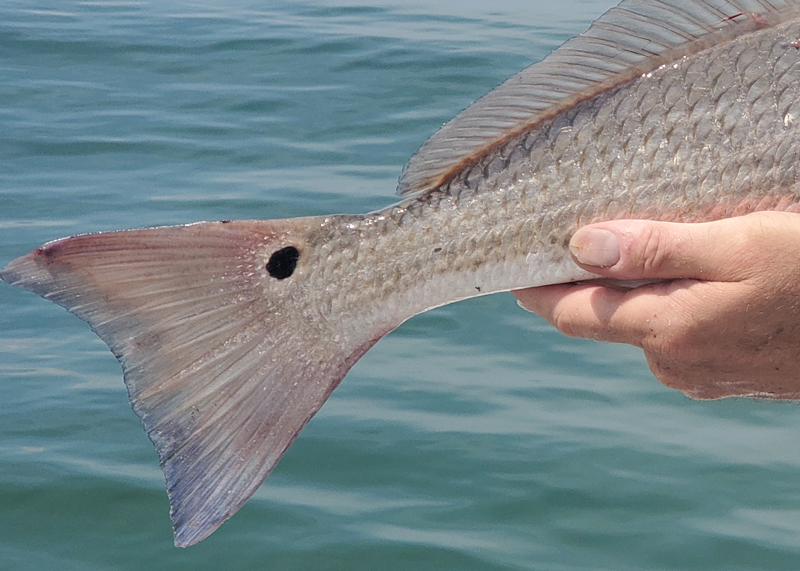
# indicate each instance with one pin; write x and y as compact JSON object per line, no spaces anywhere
{"x":220,"y":372}
{"x":633,"y":38}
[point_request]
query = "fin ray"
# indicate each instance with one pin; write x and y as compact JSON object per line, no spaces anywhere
{"x":633,"y":38}
{"x":221,"y":381}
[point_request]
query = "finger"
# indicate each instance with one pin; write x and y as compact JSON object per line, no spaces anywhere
{"x":593,"y":311}
{"x":642,"y":249}
{"x":653,"y":316}
{"x":543,"y":300}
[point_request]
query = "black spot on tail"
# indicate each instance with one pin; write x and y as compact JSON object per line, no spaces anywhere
{"x":282,"y":263}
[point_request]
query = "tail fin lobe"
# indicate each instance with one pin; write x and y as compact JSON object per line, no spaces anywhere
{"x":221,"y":380}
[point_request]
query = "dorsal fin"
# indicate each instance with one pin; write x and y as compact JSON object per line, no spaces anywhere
{"x":634,"y":38}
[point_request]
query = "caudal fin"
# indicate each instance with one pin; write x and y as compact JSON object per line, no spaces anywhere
{"x":223,"y":362}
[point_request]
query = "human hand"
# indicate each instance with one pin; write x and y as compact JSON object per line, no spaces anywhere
{"x":728,"y":322}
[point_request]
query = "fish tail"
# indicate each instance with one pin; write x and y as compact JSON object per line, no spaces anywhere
{"x":223,"y":360}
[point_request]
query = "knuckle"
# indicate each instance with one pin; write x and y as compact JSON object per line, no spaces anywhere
{"x":696,"y":381}
{"x":660,"y":345}
{"x":704,"y":392}
{"x":654,"y":252}
{"x":573,"y":324}
{"x":673,"y":374}
{"x":649,"y":252}
{"x":677,"y":357}
{"x":665,"y":372}
{"x":676,"y":342}
{"x":565,"y":323}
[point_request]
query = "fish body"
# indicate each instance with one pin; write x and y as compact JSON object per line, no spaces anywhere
{"x":232,"y":334}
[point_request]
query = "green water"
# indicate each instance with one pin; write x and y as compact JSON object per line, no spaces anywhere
{"x":474,"y":437}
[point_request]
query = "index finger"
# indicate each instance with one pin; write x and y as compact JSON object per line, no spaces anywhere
{"x":602,"y":313}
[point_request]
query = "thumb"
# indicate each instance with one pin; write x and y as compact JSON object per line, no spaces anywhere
{"x":645,"y":249}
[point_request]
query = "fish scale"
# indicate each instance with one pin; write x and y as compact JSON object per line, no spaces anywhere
{"x":233,"y":334}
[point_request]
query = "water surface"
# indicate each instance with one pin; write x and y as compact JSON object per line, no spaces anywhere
{"x":474,"y":437}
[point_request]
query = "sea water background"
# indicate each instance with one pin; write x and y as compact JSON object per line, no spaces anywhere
{"x":474,"y":437}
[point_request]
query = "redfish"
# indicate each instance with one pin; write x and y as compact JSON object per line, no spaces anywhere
{"x":233,"y":334}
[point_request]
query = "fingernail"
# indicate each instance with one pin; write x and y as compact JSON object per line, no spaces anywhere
{"x":595,"y":247}
{"x":522,"y":305}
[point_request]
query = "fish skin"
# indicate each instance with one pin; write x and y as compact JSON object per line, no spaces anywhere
{"x":225,"y":364}
{"x":692,"y":141}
